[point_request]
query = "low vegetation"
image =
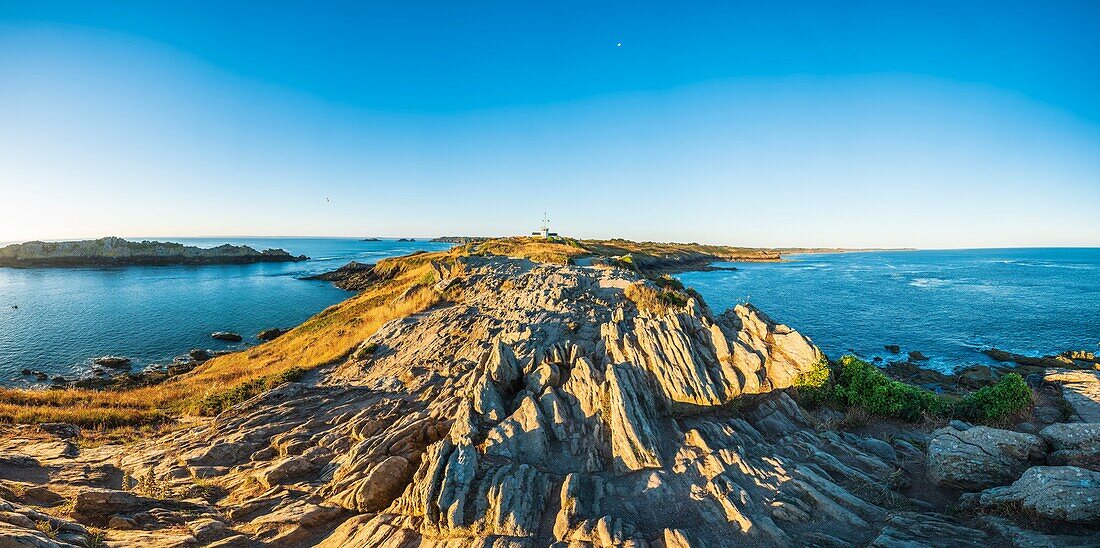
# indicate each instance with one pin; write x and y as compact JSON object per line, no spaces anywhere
{"x":216,"y":403}
{"x":555,"y":251}
{"x":653,"y":299}
{"x":855,"y":384}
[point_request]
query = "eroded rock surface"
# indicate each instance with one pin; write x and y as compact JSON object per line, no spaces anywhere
{"x":540,"y":407}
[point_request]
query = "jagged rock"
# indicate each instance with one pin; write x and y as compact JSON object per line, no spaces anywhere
{"x":1074,"y":444}
{"x":538,"y":405}
{"x":980,"y":456}
{"x":1062,"y":493}
{"x":226,"y":336}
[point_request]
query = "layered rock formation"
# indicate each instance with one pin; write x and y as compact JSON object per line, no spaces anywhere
{"x":538,"y":406}
{"x":119,"y":252}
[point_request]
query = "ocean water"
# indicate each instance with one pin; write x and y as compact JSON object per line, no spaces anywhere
{"x":949,"y":305}
{"x":67,"y":316}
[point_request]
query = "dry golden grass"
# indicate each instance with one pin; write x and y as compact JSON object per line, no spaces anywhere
{"x":323,"y":339}
{"x":654,"y":300}
{"x":657,"y":251}
{"x":560,"y":251}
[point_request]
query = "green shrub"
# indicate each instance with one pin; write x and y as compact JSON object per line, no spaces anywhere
{"x":860,"y":384}
{"x":815,"y":387}
{"x":857,"y":384}
{"x":992,"y":403}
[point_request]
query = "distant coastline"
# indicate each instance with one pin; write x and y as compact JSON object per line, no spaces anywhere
{"x":113,"y":251}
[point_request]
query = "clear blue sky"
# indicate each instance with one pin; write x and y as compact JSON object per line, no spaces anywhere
{"x":928,"y":124}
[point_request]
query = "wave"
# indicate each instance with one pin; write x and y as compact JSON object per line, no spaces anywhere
{"x":929,"y":282}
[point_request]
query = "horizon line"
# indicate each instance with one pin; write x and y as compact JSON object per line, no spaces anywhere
{"x":4,"y":243}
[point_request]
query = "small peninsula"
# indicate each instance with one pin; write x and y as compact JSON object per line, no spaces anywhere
{"x":113,"y":251}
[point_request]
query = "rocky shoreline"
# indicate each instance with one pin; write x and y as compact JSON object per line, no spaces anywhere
{"x":117,"y":372}
{"x":544,"y":404}
{"x":114,"y":252}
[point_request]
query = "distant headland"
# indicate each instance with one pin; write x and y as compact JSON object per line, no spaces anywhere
{"x":113,"y":251}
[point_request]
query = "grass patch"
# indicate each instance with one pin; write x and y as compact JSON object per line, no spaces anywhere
{"x":862,"y":388}
{"x":47,"y":528}
{"x":654,"y":300}
{"x":213,"y":404}
{"x":558,"y":251}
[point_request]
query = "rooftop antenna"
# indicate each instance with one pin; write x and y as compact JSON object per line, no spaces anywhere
{"x":544,"y":230}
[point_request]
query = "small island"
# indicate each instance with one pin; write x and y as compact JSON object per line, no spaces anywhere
{"x":113,"y":251}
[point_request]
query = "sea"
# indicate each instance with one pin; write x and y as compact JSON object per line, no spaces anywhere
{"x":66,"y":317}
{"x":949,"y":305}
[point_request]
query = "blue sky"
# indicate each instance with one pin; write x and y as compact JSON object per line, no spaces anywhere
{"x":931,"y":124}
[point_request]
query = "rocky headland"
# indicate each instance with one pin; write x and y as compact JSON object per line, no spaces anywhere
{"x":459,"y":239}
{"x":541,"y":403}
{"x":113,"y":251}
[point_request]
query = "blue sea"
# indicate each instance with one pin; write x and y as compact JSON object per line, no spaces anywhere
{"x":949,"y":305}
{"x":68,"y":316}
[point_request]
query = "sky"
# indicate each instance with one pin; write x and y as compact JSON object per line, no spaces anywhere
{"x":853,"y":124}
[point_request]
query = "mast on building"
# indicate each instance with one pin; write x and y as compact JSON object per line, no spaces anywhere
{"x":544,"y":230}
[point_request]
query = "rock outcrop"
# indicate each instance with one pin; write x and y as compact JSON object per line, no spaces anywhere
{"x":538,"y":406}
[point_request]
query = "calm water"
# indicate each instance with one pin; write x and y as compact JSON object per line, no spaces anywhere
{"x":66,"y":317}
{"x":947,"y":304}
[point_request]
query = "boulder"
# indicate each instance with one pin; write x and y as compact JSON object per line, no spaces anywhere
{"x":285,"y":470}
{"x":892,"y":348}
{"x":271,"y":334}
{"x":112,"y":361}
{"x":917,"y":356}
{"x":62,"y":430}
{"x":97,"y":506}
{"x":980,"y":457}
{"x":199,"y":355}
{"x":1075,"y":444}
{"x":1061,"y":493}
{"x":226,"y":336}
